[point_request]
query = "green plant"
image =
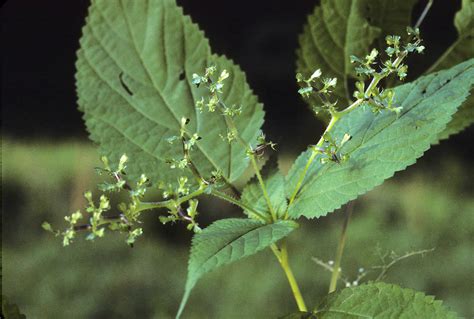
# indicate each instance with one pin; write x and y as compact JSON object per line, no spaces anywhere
{"x":189,"y":125}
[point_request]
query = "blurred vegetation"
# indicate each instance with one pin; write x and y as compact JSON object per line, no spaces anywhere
{"x":428,"y":206}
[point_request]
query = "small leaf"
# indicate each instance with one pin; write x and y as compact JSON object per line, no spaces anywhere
{"x":252,"y":195}
{"x":226,"y":241}
{"x":381,"y":144}
{"x":381,"y":301}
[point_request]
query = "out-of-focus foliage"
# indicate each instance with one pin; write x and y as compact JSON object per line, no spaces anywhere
{"x":416,"y":210}
{"x":11,"y":311}
{"x":461,"y":49}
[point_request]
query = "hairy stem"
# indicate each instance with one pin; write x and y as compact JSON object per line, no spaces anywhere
{"x":340,"y":248}
{"x":282,"y":256}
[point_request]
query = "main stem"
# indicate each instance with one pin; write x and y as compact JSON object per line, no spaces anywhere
{"x":282,"y":256}
{"x":340,"y":248}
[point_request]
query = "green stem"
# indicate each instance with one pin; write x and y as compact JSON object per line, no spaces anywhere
{"x":262,"y":186}
{"x":314,"y":152}
{"x":170,"y":202}
{"x":340,"y":248}
{"x":282,"y":256}
{"x":245,"y":207}
{"x":335,"y":116}
{"x":231,"y":125}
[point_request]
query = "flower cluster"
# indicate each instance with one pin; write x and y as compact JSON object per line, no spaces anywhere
{"x":322,"y":87}
{"x":368,"y":68}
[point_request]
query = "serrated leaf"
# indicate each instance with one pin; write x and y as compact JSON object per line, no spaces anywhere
{"x":381,"y":301}
{"x":462,"y":49}
{"x":252,"y":194}
{"x":335,"y":30}
{"x":381,"y":144}
{"x":229,"y":240}
{"x":134,"y":83}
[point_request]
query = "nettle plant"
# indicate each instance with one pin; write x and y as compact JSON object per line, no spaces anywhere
{"x":170,"y":115}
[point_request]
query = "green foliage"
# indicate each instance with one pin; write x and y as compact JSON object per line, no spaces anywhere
{"x":335,"y":30}
{"x":380,"y":300}
{"x":381,"y":144}
{"x":10,"y":311}
{"x":150,"y":88}
{"x":229,"y":240}
{"x":460,"y":50}
{"x":134,"y":82}
{"x":253,"y":196}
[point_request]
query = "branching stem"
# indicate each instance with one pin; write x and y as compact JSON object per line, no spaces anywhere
{"x":335,"y":116}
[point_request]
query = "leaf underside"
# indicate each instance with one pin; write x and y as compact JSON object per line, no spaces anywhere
{"x":229,"y":240}
{"x":381,"y":144}
{"x":134,"y":72}
{"x":381,"y":301}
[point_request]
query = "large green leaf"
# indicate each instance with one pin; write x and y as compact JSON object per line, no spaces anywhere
{"x":462,"y":49}
{"x":381,"y":301}
{"x":381,"y":144}
{"x":229,"y":240}
{"x":335,"y":30}
{"x":252,"y":194}
{"x":134,"y":73}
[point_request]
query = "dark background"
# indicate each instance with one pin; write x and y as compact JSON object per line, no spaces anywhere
{"x":40,"y":38}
